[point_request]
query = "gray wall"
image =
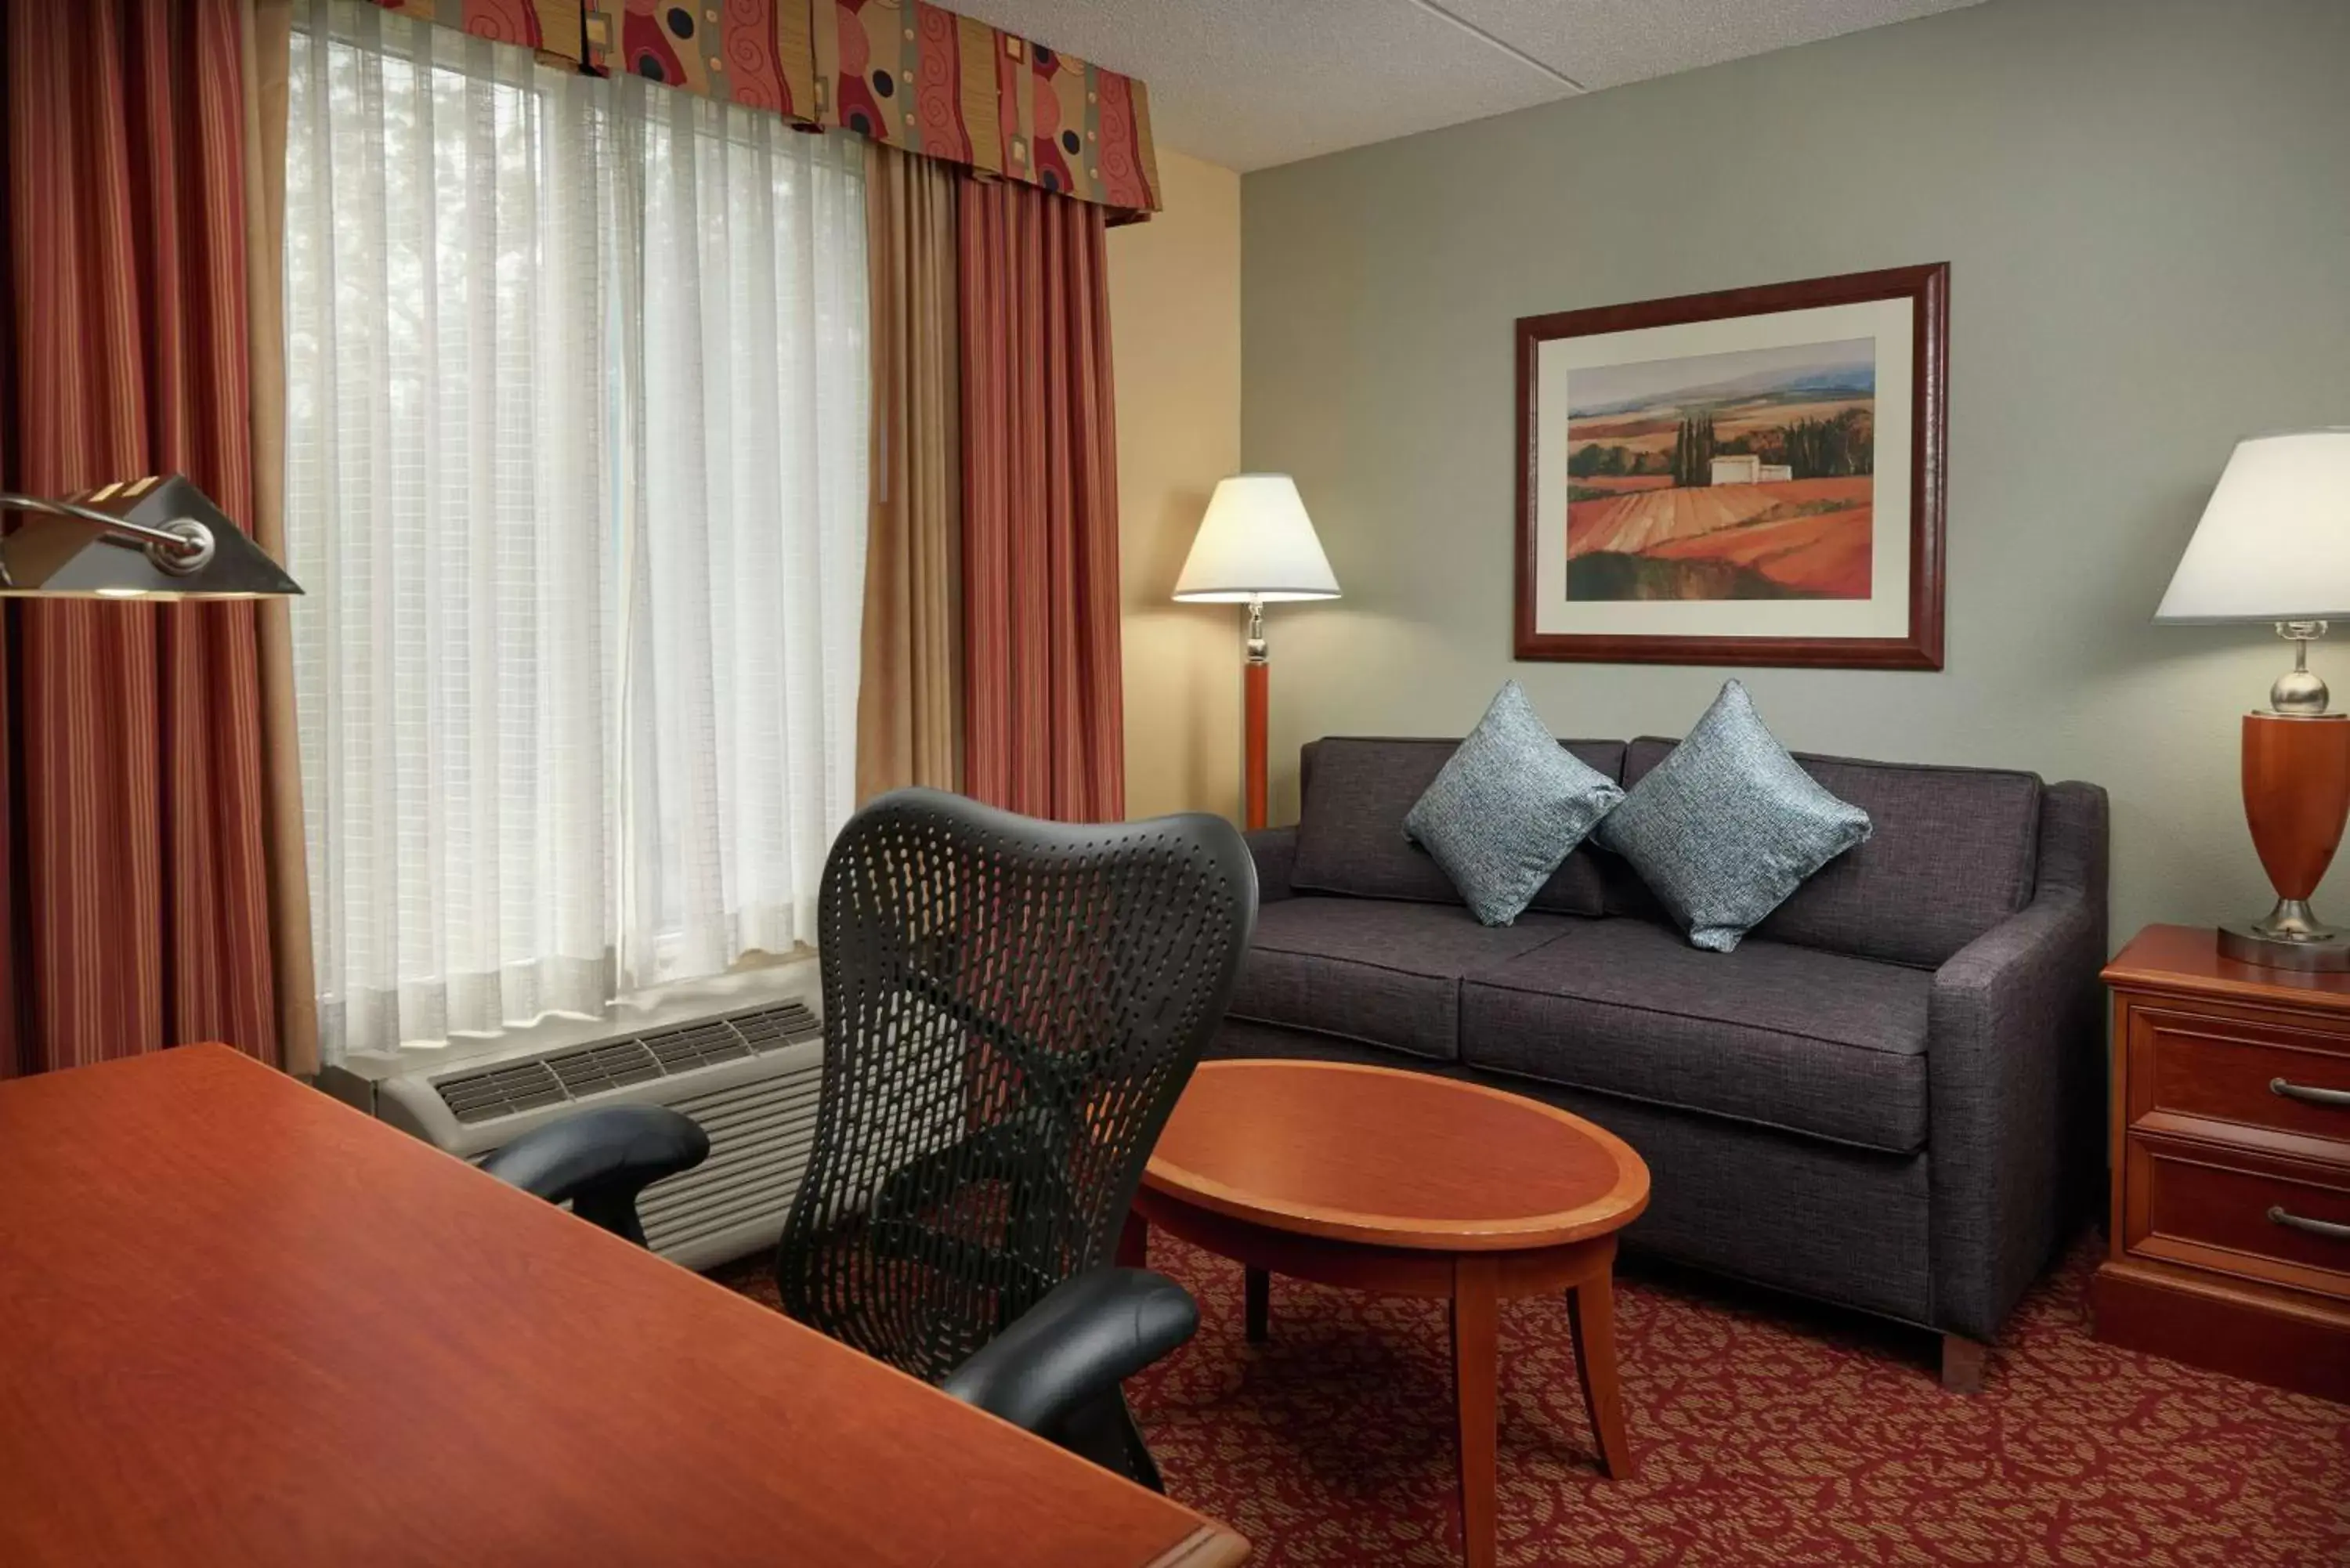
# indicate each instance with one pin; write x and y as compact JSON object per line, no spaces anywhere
{"x":2146,"y":204}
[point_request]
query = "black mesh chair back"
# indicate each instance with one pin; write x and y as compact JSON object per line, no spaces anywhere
{"x":1010,"y":1009}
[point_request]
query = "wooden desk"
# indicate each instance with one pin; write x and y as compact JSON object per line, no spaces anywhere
{"x":241,"y":1322}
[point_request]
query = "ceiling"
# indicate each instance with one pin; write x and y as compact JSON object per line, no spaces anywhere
{"x":1252,"y":83}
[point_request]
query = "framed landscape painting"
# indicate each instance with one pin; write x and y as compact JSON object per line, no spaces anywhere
{"x":1750,"y":477}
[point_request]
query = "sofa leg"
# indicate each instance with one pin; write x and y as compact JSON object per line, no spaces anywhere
{"x":1963,"y":1360}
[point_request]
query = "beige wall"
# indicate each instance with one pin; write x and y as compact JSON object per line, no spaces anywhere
{"x":1175,"y":328}
{"x":2146,"y":204}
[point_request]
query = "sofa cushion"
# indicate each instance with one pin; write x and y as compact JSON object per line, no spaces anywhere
{"x":1954,"y":852}
{"x":1508,"y":808}
{"x":1350,"y":839}
{"x":1728,"y":825}
{"x":1384,"y":973}
{"x":1790,"y":1037}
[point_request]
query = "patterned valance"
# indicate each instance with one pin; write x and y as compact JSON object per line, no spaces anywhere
{"x":900,"y":71}
{"x":550,"y":26}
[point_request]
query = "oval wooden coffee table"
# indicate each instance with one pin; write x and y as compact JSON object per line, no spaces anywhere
{"x":1402,"y":1184}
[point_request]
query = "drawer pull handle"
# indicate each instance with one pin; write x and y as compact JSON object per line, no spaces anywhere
{"x":2308,"y":1095}
{"x":2325,"y":1228}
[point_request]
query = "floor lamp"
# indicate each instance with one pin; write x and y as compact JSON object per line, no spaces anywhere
{"x":1255,"y":546}
{"x":154,"y":538}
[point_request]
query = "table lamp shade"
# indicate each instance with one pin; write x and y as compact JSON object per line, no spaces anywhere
{"x":1257,"y":543}
{"x":2274,"y":540}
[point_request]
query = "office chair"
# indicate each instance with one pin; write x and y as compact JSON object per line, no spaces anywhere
{"x":1010,"y":1009}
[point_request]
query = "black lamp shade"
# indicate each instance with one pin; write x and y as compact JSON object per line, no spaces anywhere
{"x":54,"y":555}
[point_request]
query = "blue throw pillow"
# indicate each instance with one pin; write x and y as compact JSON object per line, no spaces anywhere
{"x":1507,"y":808}
{"x":1729,"y":825}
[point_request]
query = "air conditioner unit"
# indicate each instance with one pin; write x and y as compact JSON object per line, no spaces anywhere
{"x":750,"y":1077}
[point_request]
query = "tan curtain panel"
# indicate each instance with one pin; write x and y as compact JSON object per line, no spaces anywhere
{"x":914,"y":77}
{"x":268,"y":42}
{"x":910,"y":697}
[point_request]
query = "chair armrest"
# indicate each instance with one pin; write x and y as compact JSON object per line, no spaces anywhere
{"x":598,"y":1161}
{"x":2014,"y":1060}
{"x":1075,"y":1346}
{"x":1275,"y":850}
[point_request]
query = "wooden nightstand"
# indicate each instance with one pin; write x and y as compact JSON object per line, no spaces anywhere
{"x":2231,"y":1226}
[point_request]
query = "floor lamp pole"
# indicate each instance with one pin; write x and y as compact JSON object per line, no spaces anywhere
{"x":1257,"y":695}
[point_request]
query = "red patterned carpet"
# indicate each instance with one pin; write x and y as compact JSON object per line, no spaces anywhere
{"x":1765,"y":1434}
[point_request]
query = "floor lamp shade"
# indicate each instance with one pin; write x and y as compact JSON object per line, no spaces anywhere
{"x":2273,"y":544}
{"x":1256,"y":545}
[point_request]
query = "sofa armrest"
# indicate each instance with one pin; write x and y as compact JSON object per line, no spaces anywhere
{"x":1274,"y":849}
{"x":2015,"y":1062}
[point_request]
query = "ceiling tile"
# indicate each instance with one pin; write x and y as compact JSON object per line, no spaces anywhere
{"x":1605,"y":43}
{"x":1250,"y":83}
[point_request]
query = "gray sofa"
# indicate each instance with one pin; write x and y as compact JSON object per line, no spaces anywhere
{"x":1888,"y":1097}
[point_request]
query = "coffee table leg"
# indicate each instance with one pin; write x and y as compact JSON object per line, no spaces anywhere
{"x":1476,"y":1373}
{"x":1591,"y":1309}
{"x":1133,"y":1242}
{"x":1259,"y":1286}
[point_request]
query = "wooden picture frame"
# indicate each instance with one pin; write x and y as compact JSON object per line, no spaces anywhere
{"x":1801,"y":538}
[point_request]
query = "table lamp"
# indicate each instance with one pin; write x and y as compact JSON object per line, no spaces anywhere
{"x":153,"y":538}
{"x":1255,"y":546}
{"x":2274,"y":545}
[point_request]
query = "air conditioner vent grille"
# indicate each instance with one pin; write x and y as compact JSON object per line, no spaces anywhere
{"x":730,"y":1039}
{"x":592,"y":1070}
{"x":611,"y":1065}
{"x":680,"y":1050}
{"x":501,"y":1091}
{"x":775,"y":1027}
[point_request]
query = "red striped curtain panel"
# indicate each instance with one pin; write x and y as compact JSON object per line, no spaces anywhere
{"x":137,"y":910}
{"x":1044,"y":724}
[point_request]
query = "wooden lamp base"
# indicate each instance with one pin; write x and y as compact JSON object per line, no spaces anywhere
{"x":2296,"y":800}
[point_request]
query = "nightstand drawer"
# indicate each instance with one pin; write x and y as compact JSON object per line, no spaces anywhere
{"x":2207,"y":1076}
{"x":2280,"y":1221}
{"x":2204,"y":1150}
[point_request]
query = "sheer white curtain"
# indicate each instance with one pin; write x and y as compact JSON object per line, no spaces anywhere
{"x":575,"y":479}
{"x":744,"y":391}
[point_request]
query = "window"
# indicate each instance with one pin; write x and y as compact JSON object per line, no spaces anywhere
{"x":576,"y":423}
